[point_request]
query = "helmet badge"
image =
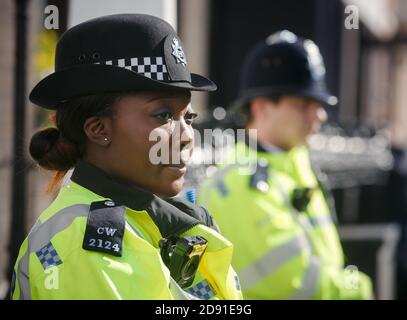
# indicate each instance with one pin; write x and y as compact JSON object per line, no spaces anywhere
{"x":178,"y":52}
{"x":315,"y":59}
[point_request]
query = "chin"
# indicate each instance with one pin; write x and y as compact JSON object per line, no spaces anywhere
{"x":172,"y":188}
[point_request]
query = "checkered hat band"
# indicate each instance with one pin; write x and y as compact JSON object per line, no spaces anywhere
{"x":202,"y":290}
{"x":151,"y":67}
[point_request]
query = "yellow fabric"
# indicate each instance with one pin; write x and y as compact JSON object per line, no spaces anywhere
{"x":138,"y":274}
{"x":264,"y":230}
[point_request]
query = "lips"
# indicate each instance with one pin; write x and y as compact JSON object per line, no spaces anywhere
{"x":176,"y":169}
{"x":180,"y":161}
{"x":182,"y":165}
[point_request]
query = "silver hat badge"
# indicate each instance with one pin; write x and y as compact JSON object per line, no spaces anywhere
{"x":178,"y":52}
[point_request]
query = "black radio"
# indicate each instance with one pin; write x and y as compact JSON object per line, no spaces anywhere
{"x":182,"y":257}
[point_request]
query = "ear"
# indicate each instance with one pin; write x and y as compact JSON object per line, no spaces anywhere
{"x":98,"y":130}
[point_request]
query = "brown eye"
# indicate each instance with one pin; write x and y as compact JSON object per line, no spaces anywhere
{"x":164,"y":116}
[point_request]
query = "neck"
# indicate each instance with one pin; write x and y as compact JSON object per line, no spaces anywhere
{"x":268,"y":140}
{"x":105,"y":166}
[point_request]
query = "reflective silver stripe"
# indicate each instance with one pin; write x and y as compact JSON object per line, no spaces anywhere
{"x":134,"y":230}
{"x":272,"y":261}
{"x":35,"y":226}
{"x":309,"y":281}
{"x":22,"y":270}
{"x":321,"y":221}
{"x":60,"y":221}
{"x":22,"y":276}
{"x":40,"y":235}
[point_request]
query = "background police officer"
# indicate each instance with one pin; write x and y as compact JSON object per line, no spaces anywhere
{"x":278,"y":218}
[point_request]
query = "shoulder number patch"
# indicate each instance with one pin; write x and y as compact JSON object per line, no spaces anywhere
{"x":105,"y":228}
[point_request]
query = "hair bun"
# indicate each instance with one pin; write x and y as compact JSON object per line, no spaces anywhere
{"x":52,"y":151}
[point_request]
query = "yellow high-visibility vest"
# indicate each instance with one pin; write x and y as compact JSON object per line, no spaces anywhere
{"x":281,"y":252}
{"x":57,"y":260}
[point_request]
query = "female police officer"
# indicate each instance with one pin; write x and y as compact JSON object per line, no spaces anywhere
{"x":115,"y":231}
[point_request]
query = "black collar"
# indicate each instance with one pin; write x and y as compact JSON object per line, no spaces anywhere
{"x":172,"y":216}
{"x":247,"y":140}
{"x":260,"y":147}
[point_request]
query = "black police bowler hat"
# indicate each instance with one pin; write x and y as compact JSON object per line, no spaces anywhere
{"x":284,"y":64}
{"x":117,"y":53}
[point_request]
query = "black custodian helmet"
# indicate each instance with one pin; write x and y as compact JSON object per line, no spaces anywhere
{"x":284,"y":64}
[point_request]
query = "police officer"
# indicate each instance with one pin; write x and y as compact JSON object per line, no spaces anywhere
{"x":277,"y":217}
{"x":116,"y":231}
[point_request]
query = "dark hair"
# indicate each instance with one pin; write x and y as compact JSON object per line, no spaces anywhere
{"x":58,"y":148}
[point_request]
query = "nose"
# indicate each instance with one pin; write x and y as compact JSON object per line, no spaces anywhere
{"x":187,"y":133}
{"x":184,"y":138}
{"x":322,"y":115}
{"x":318,"y":113}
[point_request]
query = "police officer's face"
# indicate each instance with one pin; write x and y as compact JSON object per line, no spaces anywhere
{"x":291,"y":120}
{"x":152,"y":139}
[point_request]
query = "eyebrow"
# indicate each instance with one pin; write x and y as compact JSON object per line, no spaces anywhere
{"x":167,"y":95}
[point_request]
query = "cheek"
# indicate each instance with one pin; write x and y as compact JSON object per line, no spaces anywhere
{"x":286,"y":119}
{"x":186,"y":155}
{"x":191,"y":140}
{"x":159,"y":144}
{"x":294,"y":122}
{"x":131,"y":141}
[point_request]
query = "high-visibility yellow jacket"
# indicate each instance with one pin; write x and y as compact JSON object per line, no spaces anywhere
{"x":99,"y":240}
{"x":282,"y":250}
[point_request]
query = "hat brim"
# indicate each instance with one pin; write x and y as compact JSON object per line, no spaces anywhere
{"x":63,"y":85}
{"x":320,"y":95}
{"x":323,"y":97}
